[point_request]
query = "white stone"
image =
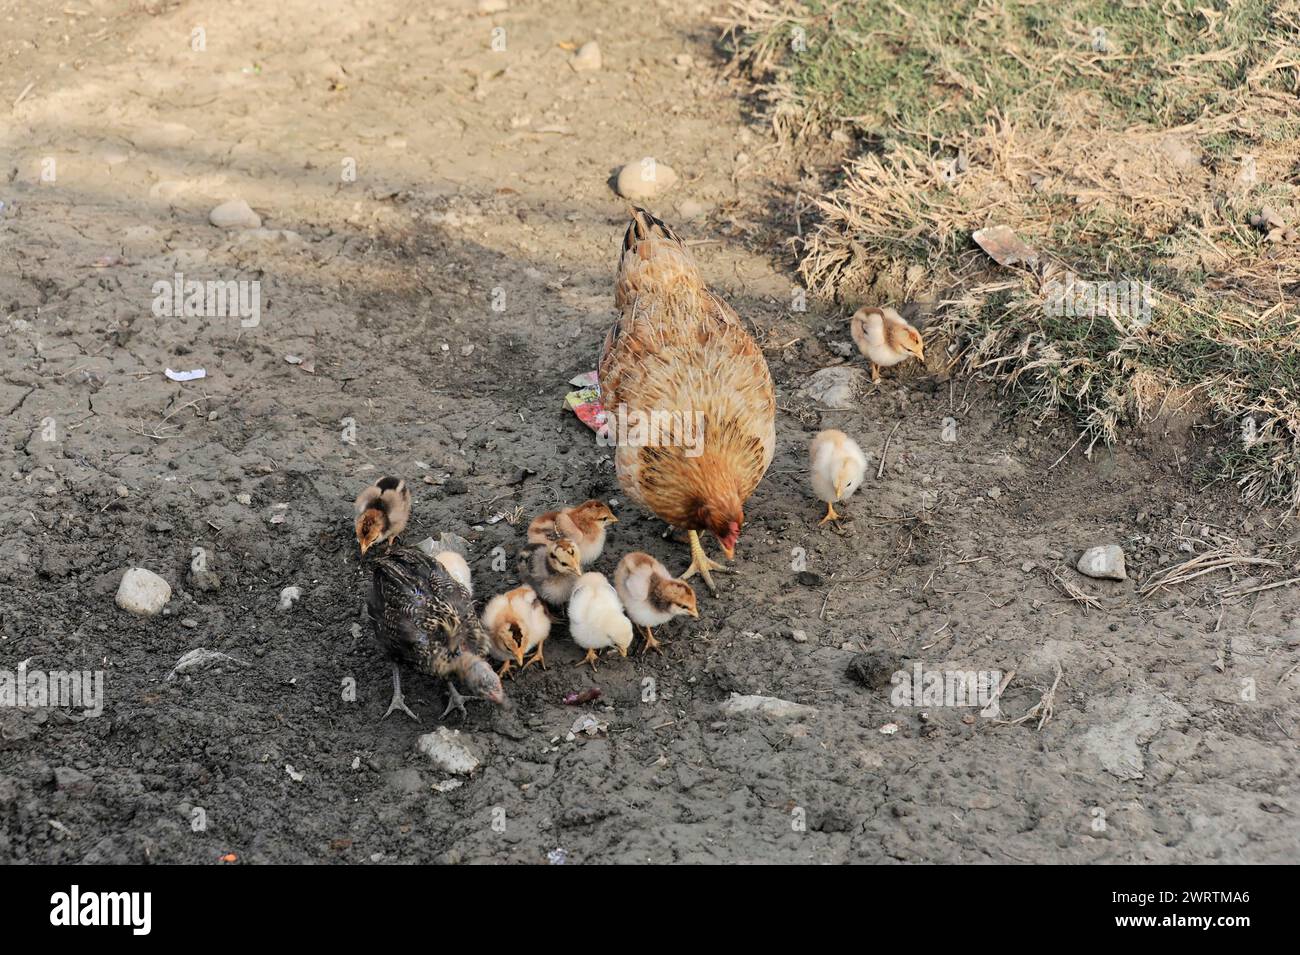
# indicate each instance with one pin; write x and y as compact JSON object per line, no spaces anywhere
{"x":235,"y":214}
{"x":645,"y":178}
{"x":739,"y":705}
{"x":834,"y":387}
{"x":289,"y":596}
{"x":143,"y":592}
{"x":446,"y":751}
{"x":587,"y":59}
{"x":1103,"y":563}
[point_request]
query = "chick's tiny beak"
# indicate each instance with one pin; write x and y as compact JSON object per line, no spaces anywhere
{"x":694,"y":612}
{"x":519,"y":655}
{"x":839,"y":490}
{"x":622,"y":651}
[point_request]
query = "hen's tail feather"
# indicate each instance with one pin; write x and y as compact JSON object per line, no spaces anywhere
{"x":643,"y":226}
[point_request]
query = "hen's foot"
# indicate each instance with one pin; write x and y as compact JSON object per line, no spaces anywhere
{"x":701,"y":564}
{"x":399,"y":701}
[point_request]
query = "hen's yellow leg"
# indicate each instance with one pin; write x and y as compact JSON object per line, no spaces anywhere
{"x":830,"y":514}
{"x":701,"y":564}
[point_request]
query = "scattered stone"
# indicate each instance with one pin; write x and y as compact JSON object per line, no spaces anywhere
{"x":288,"y":597}
{"x":588,"y":724}
{"x":122,"y":491}
{"x":995,"y":492}
{"x":740,"y":705}
{"x":587,"y":59}
{"x":296,"y":776}
{"x":889,"y":729}
{"x":189,"y":623}
{"x":874,"y":669}
{"x":1103,"y":563}
{"x":245,"y":499}
{"x":683,"y":61}
{"x":201,"y":659}
{"x":235,"y":214}
{"x":645,"y":179}
{"x":798,"y":636}
{"x":143,"y":592}
{"x":206,"y":581}
{"x":1127,"y":721}
{"x":446,"y":751}
{"x":834,"y":387}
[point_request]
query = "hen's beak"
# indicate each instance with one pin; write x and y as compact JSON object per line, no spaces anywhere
{"x":729,"y":551}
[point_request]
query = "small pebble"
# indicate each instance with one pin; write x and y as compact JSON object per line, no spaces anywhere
{"x":798,"y":636}
{"x":645,"y":179}
{"x":235,"y":214}
{"x":244,"y":498}
{"x":189,"y":623}
{"x":122,"y":491}
{"x":587,"y":59}
{"x":290,"y":596}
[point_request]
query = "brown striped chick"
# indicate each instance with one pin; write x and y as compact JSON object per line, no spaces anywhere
{"x":885,"y":338}
{"x":517,"y":622}
{"x":651,"y":596}
{"x":382,"y":512}
{"x":456,"y":565}
{"x":584,"y":525}
{"x":551,"y":568}
{"x":596,"y":618}
{"x":837,"y":467}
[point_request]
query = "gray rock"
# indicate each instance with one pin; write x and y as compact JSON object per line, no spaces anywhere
{"x":288,"y":597}
{"x":834,"y":387}
{"x":1103,"y":563}
{"x":201,"y":659}
{"x":143,"y":592}
{"x":72,"y":781}
{"x":740,"y":705}
{"x":446,"y":751}
{"x":235,"y":214}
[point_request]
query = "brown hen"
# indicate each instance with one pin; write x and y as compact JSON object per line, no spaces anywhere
{"x":679,"y":355}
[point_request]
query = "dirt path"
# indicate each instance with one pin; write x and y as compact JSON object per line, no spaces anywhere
{"x":441,"y":299}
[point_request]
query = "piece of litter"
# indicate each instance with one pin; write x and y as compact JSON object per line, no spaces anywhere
{"x":293,"y":359}
{"x":108,"y":261}
{"x":296,"y":776}
{"x":200,"y":658}
{"x":586,"y":723}
{"x":1005,"y":247}
{"x":557,"y":856}
{"x":194,"y":375}
{"x":585,"y":402}
{"x":889,"y":729}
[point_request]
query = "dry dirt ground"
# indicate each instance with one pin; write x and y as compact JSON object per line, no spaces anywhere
{"x":442,"y":299}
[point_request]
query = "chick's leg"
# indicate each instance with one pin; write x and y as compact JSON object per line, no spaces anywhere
{"x":589,"y":658}
{"x":454,"y":702}
{"x":399,"y":701}
{"x":535,"y":658}
{"x":830,"y":514}
{"x":875,"y":373}
{"x":505,"y":668}
{"x":701,"y":564}
{"x":651,"y":643}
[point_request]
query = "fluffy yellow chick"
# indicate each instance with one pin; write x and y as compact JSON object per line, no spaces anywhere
{"x":885,"y":338}
{"x":837,"y":466}
{"x":517,"y":622}
{"x":584,"y":525}
{"x":650,"y":595}
{"x":382,"y":512}
{"x":551,"y":569}
{"x":456,"y":565}
{"x":596,"y":618}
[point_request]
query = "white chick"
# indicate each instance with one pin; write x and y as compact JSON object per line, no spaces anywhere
{"x":456,"y":565}
{"x":596,"y":617}
{"x":885,"y":338}
{"x":837,"y":468}
{"x":516,"y":622}
{"x":651,"y":596}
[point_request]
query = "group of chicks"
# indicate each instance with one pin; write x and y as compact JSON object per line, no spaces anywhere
{"x":421,"y":605}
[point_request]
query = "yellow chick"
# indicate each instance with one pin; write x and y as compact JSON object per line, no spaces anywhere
{"x":456,"y":565}
{"x":584,"y":525}
{"x":382,"y":512}
{"x":837,"y":467}
{"x":885,"y":338}
{"x":551,"y":569}
{"x":651,"y":596}
{"x":517,"y":622}
{"x":596,"y":618}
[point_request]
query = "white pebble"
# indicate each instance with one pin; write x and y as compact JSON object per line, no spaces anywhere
{"x":143,"y":592}
{"x":290,"y":596}
{"x":235,"y":214}
{"x":645,"y":178}
{"x":587,"y":59}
